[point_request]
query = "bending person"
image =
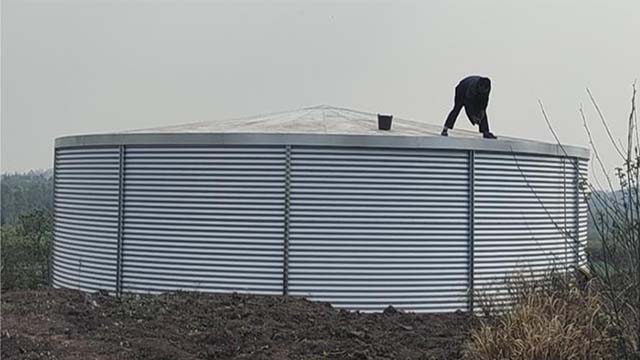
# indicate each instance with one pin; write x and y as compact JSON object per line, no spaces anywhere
{"x":473,"y":93}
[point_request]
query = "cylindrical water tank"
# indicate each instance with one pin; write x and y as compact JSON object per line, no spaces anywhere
{"x":317,"y":203}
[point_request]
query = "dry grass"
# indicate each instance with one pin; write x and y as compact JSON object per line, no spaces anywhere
{"x":557,"y":319}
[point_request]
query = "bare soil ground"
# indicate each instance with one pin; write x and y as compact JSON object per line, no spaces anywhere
{"x":66,"y":324}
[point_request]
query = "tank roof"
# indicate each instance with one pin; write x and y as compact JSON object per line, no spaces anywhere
{"x":320,"y":125}
{"x":321,"y":119}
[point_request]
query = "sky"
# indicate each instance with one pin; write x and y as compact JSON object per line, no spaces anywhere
{"x":76,"y":67}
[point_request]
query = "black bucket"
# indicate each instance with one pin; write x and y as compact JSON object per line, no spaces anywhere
{"x":384,"y":122}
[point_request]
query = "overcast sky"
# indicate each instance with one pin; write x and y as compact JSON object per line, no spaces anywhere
{"x":73,"y":67}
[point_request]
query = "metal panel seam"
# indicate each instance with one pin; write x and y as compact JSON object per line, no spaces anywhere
{"x":287,"y":206}
{"x":564,"y":202}
{"x":577,"y":211}
{"x":121,"y":170}
{"x":471,"y":228}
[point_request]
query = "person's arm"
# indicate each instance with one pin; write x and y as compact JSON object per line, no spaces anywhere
{"x":484,"y":122}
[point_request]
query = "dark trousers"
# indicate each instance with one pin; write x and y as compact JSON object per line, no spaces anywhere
{"x":457,"y":106}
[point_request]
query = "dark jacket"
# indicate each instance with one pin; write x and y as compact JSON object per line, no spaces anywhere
{"x":472,"y":93}
{"x":475,"y":99}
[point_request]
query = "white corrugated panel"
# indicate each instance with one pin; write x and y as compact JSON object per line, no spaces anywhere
{"x":525,"y":218}
{"x":376,"y":227}
{"x":86,"y":218}
{"x":204,"y":218}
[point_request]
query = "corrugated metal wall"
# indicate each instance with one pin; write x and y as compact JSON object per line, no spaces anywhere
{"x":373,"y":227}
{"x":203,"y":218}
{"x":359,"y":227}
{"x":86,"y":218}
{"x":525,"y":218}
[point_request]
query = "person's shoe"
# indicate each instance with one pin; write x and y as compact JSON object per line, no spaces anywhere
{"x":445,"y":132}
{"x":488,"y":135}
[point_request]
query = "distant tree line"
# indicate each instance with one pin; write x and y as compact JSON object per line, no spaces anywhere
{"x":24,"y":193}
{"x":26,"y":228}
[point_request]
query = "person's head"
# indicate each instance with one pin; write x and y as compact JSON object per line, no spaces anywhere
{"x":484,"y":85}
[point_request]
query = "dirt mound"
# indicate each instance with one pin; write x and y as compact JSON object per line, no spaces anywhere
{"x":65,"y":324}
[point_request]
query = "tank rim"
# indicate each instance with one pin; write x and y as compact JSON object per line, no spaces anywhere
{"x":343,"y":140}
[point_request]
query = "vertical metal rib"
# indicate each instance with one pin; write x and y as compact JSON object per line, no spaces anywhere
{"x":287,"y":202}
{"x":471,"y":227}
{"x":576,"y":187}
{"x":120,"y":221}
{"x":564,"y":225}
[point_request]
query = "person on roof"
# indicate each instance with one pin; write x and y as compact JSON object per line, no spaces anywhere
{"x":473,"y":93}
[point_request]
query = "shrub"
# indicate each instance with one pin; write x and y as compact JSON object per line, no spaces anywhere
{"x":616,"y":222}
{"x":552,"y":319}
{"x":25,"y":251}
